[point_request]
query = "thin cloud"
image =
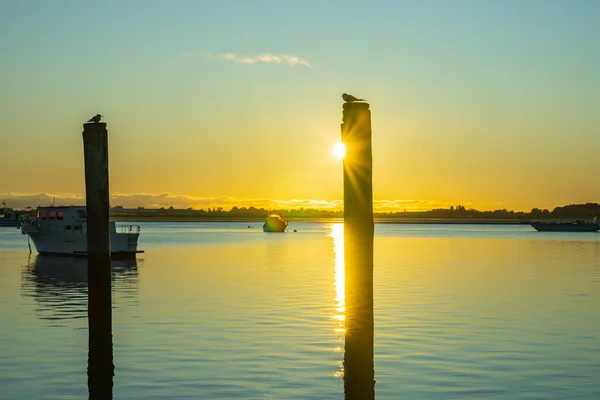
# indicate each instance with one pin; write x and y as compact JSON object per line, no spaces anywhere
{"x":266,"y":58}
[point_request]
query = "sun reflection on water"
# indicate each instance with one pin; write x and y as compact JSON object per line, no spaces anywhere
{"x":337,"y":234}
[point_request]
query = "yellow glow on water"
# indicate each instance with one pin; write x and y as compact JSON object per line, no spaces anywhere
{"x":337,"y":233}
{"x":339,"y":150}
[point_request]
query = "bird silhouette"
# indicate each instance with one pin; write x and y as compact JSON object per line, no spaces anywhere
{"x":95,"y":119}
{"x":348,"y":98}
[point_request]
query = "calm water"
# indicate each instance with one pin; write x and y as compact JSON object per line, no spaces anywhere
{"x":219,"y":311}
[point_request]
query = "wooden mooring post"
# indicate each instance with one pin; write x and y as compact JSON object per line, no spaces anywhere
{"x":359,"y":374}
{"x":100,"y":357}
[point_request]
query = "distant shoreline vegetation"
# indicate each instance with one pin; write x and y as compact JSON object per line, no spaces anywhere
{"x":439,"y":215}
{"x":458,"y":214}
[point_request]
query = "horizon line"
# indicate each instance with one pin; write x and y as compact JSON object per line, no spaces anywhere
{"x":184,"y":202}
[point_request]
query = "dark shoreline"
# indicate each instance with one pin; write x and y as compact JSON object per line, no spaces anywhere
{"x":457,"y":221}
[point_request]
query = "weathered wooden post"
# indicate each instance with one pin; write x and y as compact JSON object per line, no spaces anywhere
{"x":359,"y":374}
{"x":100,"y":359}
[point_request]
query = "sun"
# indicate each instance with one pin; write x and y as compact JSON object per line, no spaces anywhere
{"x":339,"y":150}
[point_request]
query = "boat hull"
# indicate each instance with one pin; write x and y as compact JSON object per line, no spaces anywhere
{"x":274,"y":228}
{"x":274,"y":223}
{"x":122,"y":245}
{"x":565,"y":227}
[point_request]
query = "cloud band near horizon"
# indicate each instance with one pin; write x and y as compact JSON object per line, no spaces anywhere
{"x":148,"y":200}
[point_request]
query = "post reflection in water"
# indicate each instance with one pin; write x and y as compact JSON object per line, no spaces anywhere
{"x":354,"y":310}
{"x":359,"y":373}
{"x":60,"y":286}
{"x":337,"y":234}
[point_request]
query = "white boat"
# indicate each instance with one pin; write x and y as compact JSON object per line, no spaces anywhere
{"x":63,"y":230}
{"x":9,"y":217}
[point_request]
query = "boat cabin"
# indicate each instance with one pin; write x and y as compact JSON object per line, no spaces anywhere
{"x":59,"y":213}
{"x":65,"y":218}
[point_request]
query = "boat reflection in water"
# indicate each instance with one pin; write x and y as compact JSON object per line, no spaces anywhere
{"x":60,"y":288}
{"x":59,"y":285}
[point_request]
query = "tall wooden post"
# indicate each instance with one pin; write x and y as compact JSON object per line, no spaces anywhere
{"x":359,"y":374}
{"x":100,"y":359}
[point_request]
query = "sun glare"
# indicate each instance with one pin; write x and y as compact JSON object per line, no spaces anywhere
{"x":339,"y":150}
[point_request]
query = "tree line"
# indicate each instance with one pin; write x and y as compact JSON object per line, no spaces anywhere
{"x":571,"y":211}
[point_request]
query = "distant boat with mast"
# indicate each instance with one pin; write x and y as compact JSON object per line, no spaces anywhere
{"x":9,"y":217}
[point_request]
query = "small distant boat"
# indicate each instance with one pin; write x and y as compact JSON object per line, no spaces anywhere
{"x":567,"y":226}
{"x":9,"y":217}
{"x":63,"y":230}
{"x":274,"y":223}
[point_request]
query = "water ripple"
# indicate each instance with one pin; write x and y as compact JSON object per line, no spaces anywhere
{"x":460,"y":313}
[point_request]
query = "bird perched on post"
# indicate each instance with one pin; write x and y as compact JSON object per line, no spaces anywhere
{"x":95,"y":119}
{"x":348,"y":98}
